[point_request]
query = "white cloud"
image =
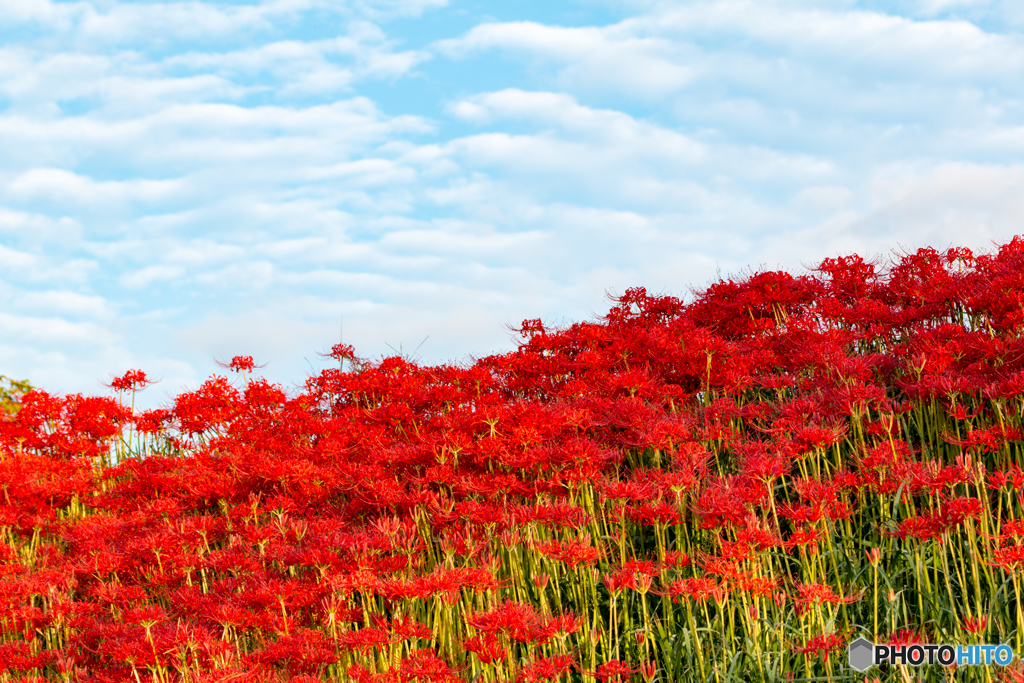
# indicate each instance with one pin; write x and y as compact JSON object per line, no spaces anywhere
{"x":239,"y":187}
{"x":308,"y":67}
{"x":564,"y":113}
{"x":66,"y":303}
{"x":249,"y":276}
{"x":354,"y":123}
{"x":48,"y":331}
{"x":598,"y":58}
{"x":680,"y":47}
{"x":385,"y":9}
{"x":157,"y":23}
{"x":12,"y":258}
{"x":849,"y":38}
{"x":932,"y":7}
{"x":42,"y":11}
{"x":610,"y":157}
{"x":123,"y":22}
{"x":58,"y":186}
{"x":948,"y":204}
{"x":971,"y":205}
{"x":144,"y":277}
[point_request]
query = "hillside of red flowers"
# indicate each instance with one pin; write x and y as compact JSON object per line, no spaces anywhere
{"x":725,"y":489}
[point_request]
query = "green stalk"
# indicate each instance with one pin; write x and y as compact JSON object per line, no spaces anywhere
{"x":696,"y":638}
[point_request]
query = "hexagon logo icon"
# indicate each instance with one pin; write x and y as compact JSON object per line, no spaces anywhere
{"x":861,"y":654}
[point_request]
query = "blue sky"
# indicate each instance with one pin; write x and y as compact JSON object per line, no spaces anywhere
{"x":183,"y":182}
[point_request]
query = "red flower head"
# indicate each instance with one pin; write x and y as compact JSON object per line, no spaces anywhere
{"x":243,"y":365}
{"x":342,"y":352}
{"x":612,"y":670}
{"x":240,"y":364}
{"x":133,"y":380}
{"x":822,"y":646}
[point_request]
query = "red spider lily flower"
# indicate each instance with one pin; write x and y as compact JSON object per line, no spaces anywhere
{"x":726,"y":500}
{"x":1013,"y":527}
{"x":680,"y":482}
{"x":756,"y":585}
{"x":950,"y":515}
{"x":153,"y":421}
{"x":642,"y":567}
{"x":643,"y":583}
{"x":839,"y":510}
{"x":816,"y":593}
{"x":822,"y":646}
{"x":573,"y":553}
{"x":240,"y":364}
{"x":1014,"y":673}
{"x":488,"y":648}
{"x":531,"y":327}
{"x":615,"y":583}
{"x":695,"y":588}
{"x":975,"y":624}
{"x":648,"y":670}
{"x":806,"y":538}
{"x":985,"y":440}
{"x":144,"y":614}
{"x":1011,"y":558}
{"x":955,"y":511}
{"x":656,"y":512}
{"x":949,"y":476}
{"x":676,"y":559}
{"x":555,"y":514}
{"x":817,"y":491}
{"x":799,"y":512}
{"x":342,"y":352}
{"x":632,"y":490}
{"x":566,"y":624}
{"x":731,"y":550}
{"x":546,"y":669}
{"x":425,"y":665}
{"x":19,"y":656}
{"x":997,"y":480}
{"x":821,"y":437}
{"x":756,"y":536}
{"x":1011,"y":477}
{"x":306,"y":652}
{"x":407,"y":629}
{"x":133,"y":380}
{"x":921,"y":528}
{"x":905,"y":637}
{"x":726,"y":567}
{"x":611,"y":671}
{"x":519,"y":621}
{"x":765,"y":462}
{"x":214,"y":404}
{"x":885,"y":455}
{"x":364,"y":639}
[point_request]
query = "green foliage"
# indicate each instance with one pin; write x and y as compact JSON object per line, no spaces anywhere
{"x":11,"y":391}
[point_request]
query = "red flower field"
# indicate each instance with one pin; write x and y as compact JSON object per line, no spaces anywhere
{"x":730,"y":489}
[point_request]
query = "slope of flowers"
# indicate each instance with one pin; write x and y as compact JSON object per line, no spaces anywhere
{"x":729,"y":489}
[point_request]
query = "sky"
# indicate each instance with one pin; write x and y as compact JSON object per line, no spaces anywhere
{"x":183,"y":182}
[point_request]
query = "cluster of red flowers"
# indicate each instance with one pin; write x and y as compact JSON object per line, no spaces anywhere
{"x":722,"y":488}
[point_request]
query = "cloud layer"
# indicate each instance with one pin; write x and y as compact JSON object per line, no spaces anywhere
{"x":187,"y":181}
